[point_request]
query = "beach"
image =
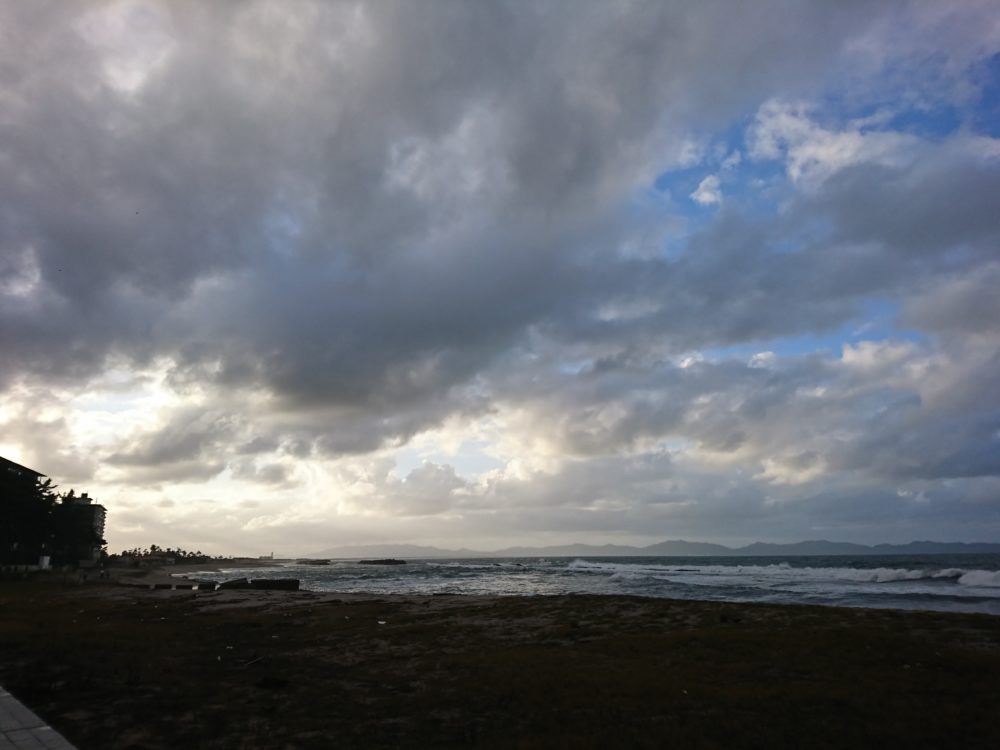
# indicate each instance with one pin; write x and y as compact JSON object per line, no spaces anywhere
{"x":121,"y":668}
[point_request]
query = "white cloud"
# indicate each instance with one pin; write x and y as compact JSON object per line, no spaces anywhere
{"x":813,"y":153}
{"x":792,"y":469}
{"x":708,"y":191}
{"x":869,"y":355}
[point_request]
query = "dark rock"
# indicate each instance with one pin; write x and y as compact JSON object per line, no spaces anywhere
{"x":236,"y":583}
{"x":275,"y":584}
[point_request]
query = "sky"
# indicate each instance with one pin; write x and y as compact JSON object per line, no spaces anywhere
{"x":281,"y":276}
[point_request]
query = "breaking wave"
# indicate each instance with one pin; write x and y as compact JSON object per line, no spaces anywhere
{"x":785,"y":571}
{"x":985,"y":578}
{"x":969,"y":583}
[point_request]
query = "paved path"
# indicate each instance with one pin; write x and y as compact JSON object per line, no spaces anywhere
{"x":20,"y":729}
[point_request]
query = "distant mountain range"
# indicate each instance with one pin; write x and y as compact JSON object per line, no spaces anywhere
{"x":674,"y":548}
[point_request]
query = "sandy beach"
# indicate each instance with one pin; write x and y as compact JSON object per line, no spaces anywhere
{"x":124,"y":668}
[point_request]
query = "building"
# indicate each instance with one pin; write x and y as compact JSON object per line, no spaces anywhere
{"x":35,"y":529}
{"x":25,"y":515}
{"x":84,"y":527}
{"x":16,"y":475}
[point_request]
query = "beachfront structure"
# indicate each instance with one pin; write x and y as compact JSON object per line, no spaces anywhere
{"x":35,"y":529}
{"x":17,"y":474}
{"x":84,"y":524}
{"x":25,"y":521}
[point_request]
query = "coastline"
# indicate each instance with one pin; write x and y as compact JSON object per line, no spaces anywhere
{"x":943,"y":583}
{"x":118,"y":667}
{"x":170,"y":575}
{"x":214,"y":566}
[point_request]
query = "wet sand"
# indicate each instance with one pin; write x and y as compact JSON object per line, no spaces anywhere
{"x":122,"y":668}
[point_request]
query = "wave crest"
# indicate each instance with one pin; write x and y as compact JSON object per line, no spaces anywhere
{"x":984,"y":578}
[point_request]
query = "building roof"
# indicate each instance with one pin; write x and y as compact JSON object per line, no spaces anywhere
{"x":7,"y":464}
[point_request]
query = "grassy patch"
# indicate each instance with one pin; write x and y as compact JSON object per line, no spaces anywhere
{"x":121,"y":669}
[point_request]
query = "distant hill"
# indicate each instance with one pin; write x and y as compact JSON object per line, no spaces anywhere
{"x":570,"y":550}
{"x":675,"y":548}
{"x":937,"y":548}
{"x":812,"y":547}
{"x":681,"y":548}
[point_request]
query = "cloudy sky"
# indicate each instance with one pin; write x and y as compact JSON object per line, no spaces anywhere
{"x":286,"y":275}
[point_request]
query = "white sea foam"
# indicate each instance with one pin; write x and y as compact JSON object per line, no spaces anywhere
{"x":983,"y":578}
{"x":633,"y":576}
{"x":917,"y":583}
{"x":949,"y":573}
{"x":887,"y":575}
{"x":693,"y":574}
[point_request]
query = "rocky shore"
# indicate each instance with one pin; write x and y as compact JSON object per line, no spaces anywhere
{"x":122,"y":668}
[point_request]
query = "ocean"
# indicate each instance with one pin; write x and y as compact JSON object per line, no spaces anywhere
{"x":959,"y":583}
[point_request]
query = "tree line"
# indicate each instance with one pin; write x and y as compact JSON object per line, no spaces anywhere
{"x":138,"y":555}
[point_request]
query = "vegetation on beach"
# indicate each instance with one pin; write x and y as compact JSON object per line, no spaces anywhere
{"x":120,"y":668}
{"x":156,"y":555}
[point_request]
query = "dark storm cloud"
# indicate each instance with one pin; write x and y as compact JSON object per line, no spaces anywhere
{"x":941,"y":206}
{"x":193,"y":444}
{"x":958,"y":304}
{"x":188,"y":435}
{"x":233,"y":155}
{"x":338,"y":226}
{"x":402,"y":345}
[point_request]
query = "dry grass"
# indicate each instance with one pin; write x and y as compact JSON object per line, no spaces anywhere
{"x":119,"y":668}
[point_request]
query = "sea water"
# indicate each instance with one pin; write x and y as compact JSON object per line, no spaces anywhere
{"x":962,"y":583}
